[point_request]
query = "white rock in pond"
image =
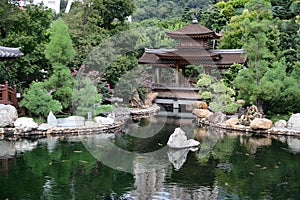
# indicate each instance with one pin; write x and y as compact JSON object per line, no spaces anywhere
{"x":104,"y":120}
{"x":51,"y":119}
{"x":179,"y":140}
{"x":25,"y":124}
{"x":8,"y":115}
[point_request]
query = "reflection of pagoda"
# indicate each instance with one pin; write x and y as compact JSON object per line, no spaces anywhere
{"x":196,"y":46}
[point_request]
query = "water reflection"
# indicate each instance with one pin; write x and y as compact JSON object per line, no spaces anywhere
{"x":178,"y":156}
{"x":226,"y":166}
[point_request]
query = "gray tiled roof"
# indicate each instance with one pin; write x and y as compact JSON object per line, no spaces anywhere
{"x":7,"y":53}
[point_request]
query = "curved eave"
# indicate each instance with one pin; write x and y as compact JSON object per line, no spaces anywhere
{"x":7,"y":53}
{"x":211,"y":35}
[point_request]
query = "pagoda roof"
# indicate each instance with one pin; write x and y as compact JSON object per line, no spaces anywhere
{"x":223,"y":58}
{"x":194,"y":30}
{"x":8,"y":53}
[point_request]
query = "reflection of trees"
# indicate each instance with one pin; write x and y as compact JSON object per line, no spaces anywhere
{"x":270,"y":172}
{"x":68,"y":171}
{"x":208,"y":139}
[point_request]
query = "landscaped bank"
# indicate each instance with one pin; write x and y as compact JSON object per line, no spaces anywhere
{"x":11,"y":125}
{"x":250,"y":121}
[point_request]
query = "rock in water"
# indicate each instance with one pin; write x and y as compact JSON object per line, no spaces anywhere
{"x":8,"y":115}
{"x":261,"y":123}
{"x":179,"y":140}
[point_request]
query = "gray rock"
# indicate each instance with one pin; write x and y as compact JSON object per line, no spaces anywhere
{"x":51,"y":119}
{"x":72,"y":121}
{"x":280,"y":124}
{"x":294,"y":122}
{"x":44,"y":127}
{"x":179,"y":140}
{"x":217,"y":117}
{"x":25,"y":124}
{"x":8,"y":115}
{"x":104,"y":120}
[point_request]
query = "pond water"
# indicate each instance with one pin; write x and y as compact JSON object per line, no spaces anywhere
{"x":134,"y":165}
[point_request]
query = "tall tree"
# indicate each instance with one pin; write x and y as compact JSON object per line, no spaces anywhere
{"x":254,"y":31}
{"x":60,"y":49}
{"x":26,"y":29}
{"x":93,"y":21}
{"x":59,"y":52}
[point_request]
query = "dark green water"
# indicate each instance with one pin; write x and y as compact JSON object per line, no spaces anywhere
{"x":226,"y":166}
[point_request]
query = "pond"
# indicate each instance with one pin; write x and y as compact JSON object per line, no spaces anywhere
{"x":138,"y":165}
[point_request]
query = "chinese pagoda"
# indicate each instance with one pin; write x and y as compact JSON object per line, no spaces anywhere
{"x":195,"y":46}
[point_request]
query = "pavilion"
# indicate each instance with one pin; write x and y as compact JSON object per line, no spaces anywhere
{"x":196,"y":45}
{"x":8,"y":95}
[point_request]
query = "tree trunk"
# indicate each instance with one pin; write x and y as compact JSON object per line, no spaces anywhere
{"x":259,"y":104}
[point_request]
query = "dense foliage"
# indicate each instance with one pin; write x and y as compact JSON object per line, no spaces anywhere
{"x":26,"y":29}
{"x":217,"y":93}
{"x":95,"y":33}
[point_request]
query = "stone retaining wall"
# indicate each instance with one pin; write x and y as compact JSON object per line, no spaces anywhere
{"x":247,"y":129}
{"x":115,"y":127}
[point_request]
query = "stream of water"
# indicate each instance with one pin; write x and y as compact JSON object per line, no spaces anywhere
{"x":137,"y":164}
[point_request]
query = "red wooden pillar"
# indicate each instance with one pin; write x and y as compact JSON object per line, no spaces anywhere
{"x":5,"y":92}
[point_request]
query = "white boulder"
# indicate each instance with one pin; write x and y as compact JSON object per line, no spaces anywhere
{"x":25,"y":124}
{"x":8,"y":115}
{"x":294,"y":122}
{"x":179,"y":140}
{"x":280,"y":124}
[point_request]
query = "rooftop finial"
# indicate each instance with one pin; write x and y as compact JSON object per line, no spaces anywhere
{"x":194,"y":18}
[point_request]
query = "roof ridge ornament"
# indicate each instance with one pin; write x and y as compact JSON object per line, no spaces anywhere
{"x":194,"y":18}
